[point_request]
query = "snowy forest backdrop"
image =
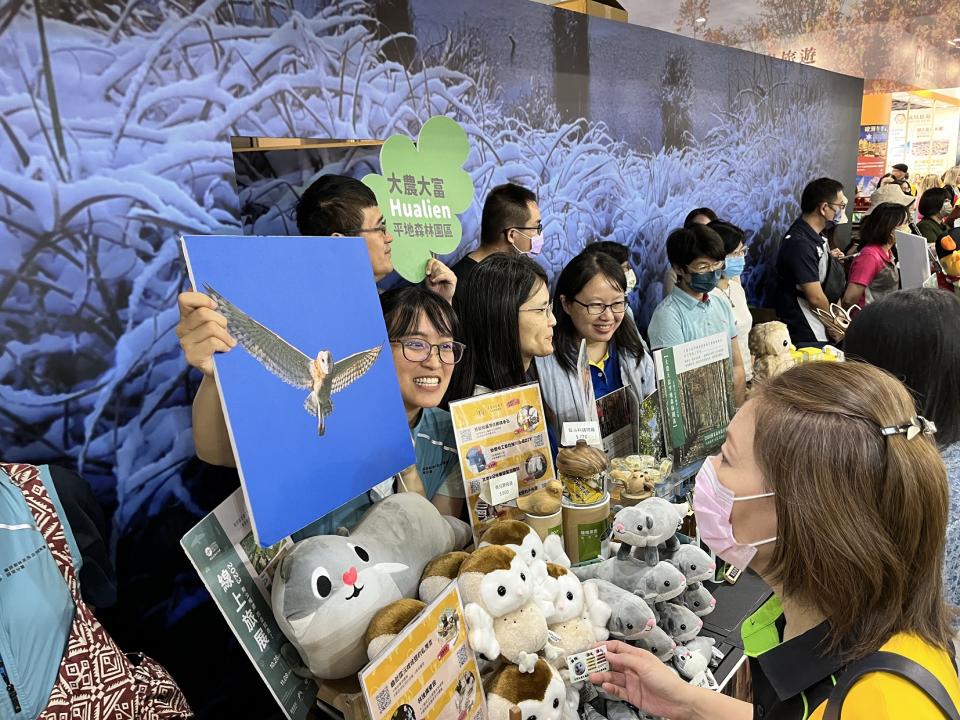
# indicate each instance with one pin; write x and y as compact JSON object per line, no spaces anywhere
{"x":115,"y":119}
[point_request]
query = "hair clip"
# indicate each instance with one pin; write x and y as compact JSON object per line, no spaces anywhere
{"x":918,"y":425}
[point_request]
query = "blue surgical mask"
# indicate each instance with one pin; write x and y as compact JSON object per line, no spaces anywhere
{"x":704,"y":282}
{"x":735,"y":265}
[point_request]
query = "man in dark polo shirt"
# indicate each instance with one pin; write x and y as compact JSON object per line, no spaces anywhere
{"x":806,"y":277}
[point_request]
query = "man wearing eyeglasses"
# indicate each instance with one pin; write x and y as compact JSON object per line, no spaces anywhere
{"x":689,"y":313}
{"x":510,"y":223}
{"x":808,"y":273}
{"x":334,"y":205}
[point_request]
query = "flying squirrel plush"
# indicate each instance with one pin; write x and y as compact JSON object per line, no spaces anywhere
{"x":646,"y":525}
{"x":388,"y":622}
{"x":328,"y":588}
{"x":523,"y":540}
{"x":502,"y":616}
{"x":630,"y":616}
{"x":579,"y":620}
{"x":440,"y":572}
{"x":540,"y":694}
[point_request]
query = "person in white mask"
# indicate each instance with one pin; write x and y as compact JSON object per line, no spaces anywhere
{"x":510,"y":223}
{"x":937,"y":214}
{"x":830,"y":487}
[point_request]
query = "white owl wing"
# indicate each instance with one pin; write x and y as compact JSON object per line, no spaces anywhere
{"x":352,"y":368}
{"x":272,"y":351}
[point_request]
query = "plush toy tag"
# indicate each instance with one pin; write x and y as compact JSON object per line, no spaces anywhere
{"x":501,"y":489}
{"x":581,"y":665}
{"x":588,"y":431}
{"x":706,"y":680}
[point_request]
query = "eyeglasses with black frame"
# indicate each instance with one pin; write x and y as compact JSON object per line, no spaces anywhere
{"x":538,"y":228}
{"x":415,"y":350}
{"x":381,"y":228}
{"x":618,"y":308}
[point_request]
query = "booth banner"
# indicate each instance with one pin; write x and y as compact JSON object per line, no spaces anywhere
{"x":420,"y":190}
{"x":429,"y":671}
{"x":502,"y":442}
{"x":238,"y":574}
{"x":310,"y":393}
{"x":872,"y":154}
{"x":695,"y":384}
{"x":619,"y":415}
{"x":925,"y":139}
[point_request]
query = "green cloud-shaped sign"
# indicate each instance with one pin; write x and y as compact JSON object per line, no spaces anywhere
{"x":420,"y":190}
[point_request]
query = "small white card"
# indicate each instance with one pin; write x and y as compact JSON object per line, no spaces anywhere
{"x":501,"y":489}
{"x":582,"y":665}
{"x":588,"y":431}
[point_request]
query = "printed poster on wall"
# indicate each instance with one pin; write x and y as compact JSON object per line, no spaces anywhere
{"x":420,"y":190}
{"x":695,"y":384}
{"x":428,"y":672}
{"x":504,"y":452}
{"x":619,"y":417}
{"x":238,"y":574}
{"x":310,"y":393}
{"x":872,"y":152}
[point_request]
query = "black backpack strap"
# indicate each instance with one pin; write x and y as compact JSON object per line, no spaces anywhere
{"x":906,"y":668}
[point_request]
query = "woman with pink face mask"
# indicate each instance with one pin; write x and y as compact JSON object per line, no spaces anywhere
{"x":830,"y":487}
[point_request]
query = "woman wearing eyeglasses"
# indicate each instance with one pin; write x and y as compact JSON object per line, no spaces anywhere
{"x":590,"y":304}
{"x":421,"y":327}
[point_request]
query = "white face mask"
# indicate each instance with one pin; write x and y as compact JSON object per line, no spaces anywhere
{"x":631,"y":279}
{"x":947,"y":208}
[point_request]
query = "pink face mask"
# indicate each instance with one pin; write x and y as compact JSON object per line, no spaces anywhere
{"x":713,"y":505}
{"x":536,"y":244}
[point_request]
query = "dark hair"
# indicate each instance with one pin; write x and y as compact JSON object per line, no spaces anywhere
{"x":489,"y":310}
{"x":687,"y":244}
{"x":731,"y":235}
{"x":333,"y":204}
{"x":705,"y":211}
{"x":931,"y":202}
{"x":817,"y":192}
{"x":578,"y":272}
{"x":506,"y":207}
{"x":877,"y":227}
{"x":403,"y":307}
{"x":618,"y":252}
{"x":915,"y":335}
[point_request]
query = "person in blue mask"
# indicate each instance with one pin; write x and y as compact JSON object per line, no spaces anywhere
{"x":689,"y":312}
{"x":731,"y":290}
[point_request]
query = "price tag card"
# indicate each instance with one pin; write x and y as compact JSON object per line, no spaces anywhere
{"x":588,"y":431}
{"x":501,"y":489}
{"x":582,"y":665}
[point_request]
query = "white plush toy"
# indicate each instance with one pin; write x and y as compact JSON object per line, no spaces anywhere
{"x":502,"y":616}
{"x":579,"y":620}
{"x":689,"y":664}
{"x":524,"y":541}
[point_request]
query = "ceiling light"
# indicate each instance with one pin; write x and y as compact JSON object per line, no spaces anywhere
{"x":700,"y":20}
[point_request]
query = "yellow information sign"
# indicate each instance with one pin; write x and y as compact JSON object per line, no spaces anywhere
{"x":429,"y":671}
{"x":500,"y":436}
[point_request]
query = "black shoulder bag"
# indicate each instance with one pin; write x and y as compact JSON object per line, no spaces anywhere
{"x":835,"y":281}
{"x":906,"y":668}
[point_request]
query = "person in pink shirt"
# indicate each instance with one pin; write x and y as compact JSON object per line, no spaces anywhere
{"x":874,"y":272}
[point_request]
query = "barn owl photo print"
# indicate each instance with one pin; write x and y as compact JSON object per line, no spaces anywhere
{"x":322,"y":376}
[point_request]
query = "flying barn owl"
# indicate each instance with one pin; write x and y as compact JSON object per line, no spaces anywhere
{"x":322,"y":376}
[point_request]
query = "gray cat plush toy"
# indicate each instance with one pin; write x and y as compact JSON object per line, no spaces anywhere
{"x":328,"y":588}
